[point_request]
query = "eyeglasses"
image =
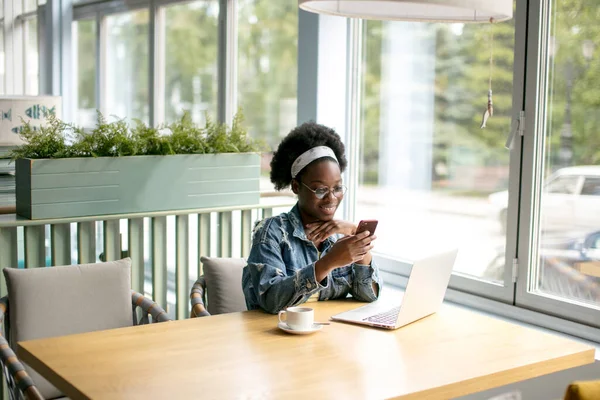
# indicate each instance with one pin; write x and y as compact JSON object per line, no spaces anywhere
{"x":322,"y":192}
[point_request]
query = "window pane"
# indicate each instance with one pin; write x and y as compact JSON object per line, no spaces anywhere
{"x":32,"y":71}
{"x":427,"y":166}
{"x":84,"y":37}
{"x":127,"y":66}
{"x":570,"y":203}
{"x":563,"y":184}
{"x":2,"y":59}
{"x":591,"y":186}
{"x":267,"y":69}
{"x":29,"y":5}
{"x":191,"y":60}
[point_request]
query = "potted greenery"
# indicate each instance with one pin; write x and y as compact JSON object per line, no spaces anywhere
{"x":62,"y":171}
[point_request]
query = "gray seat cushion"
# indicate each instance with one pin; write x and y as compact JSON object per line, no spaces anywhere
{"x":223,"y":278}
{"x":56,"y":301}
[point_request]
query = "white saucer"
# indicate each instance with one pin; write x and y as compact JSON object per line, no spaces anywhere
{"x":284,"y":327}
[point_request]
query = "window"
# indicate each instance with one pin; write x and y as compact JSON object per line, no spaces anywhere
{"x":191,"y":53}
{"x":563,"y":185}
{"x":29,"y":5}
{"x":594,"y":242}
{"x":591,"y":186}
{"x":84,"y":40}
{"x":570,"y":139}
{"x":32,"y":70}
{"x":426,"y":165}
{"x":118,"y":45}
{"x":2,"y":57}
{"x":559,"y":225}
{"x":19,"y":52}
{"x":267,"y":69}
{"x":127,"y":67}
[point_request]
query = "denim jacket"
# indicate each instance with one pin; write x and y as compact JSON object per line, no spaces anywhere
{"x":281,"y":268}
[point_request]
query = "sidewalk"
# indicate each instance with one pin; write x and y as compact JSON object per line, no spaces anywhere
{"x":427,"y":201}
{"x":435,"y":202}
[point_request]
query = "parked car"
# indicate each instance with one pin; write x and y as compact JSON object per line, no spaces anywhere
{"x":569,"y":265}
{"x":570,"y":200}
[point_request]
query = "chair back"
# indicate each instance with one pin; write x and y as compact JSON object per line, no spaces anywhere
{"x":55,"y":301}
{"x":223,"y":277}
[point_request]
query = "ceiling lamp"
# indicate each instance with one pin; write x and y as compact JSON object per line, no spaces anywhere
{"x":415,"y":10}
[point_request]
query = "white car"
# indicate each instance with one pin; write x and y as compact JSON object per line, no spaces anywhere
{"x":570,"y":200}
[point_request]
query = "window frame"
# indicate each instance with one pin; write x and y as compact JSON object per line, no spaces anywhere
{"x":501,"y":291}
{"x":524,"y":176}
{"x":533,"y":162}
{"x":226,"y":106}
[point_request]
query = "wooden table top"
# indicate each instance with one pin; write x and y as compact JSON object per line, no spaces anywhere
{"x":244,"y":355}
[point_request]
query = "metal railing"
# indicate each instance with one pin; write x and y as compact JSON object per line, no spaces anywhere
{"x":164,"y":247}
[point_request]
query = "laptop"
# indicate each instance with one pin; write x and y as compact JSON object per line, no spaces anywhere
{"x":423,"y":296}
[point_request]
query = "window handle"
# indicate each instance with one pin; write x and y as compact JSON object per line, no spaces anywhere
{"x":518,"y":126}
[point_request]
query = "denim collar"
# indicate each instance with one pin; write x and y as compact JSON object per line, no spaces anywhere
{"x":296,"y":221}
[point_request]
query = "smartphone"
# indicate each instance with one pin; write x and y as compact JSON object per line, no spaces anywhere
{"x":367,"y":225}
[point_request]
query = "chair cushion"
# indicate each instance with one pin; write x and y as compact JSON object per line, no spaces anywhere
{"x":224,"y":284}
{"x":56,"y":301}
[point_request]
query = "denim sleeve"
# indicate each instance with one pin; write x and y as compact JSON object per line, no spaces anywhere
{"x":362,"y":284}
{"x":274,"y":288}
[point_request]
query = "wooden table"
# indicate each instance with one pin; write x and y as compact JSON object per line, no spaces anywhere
{"x":243,"y":355}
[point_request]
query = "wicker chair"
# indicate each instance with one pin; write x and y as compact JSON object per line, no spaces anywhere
{"x":219,"y":290}
{"x":23,"y":382}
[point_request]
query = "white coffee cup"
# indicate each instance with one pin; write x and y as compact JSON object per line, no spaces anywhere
{"x":298,"y":318}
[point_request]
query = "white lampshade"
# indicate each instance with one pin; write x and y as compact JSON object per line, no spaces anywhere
{"x":415,"y":10}
{"x":16,"y":109}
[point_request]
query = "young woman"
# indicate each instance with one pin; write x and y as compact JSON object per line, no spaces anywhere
{"x":305,"y":253}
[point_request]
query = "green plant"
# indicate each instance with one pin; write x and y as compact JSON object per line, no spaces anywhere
{"x":46,"y":142}
{"x":107,"y":139}
{"x":58,"y":139}
{"x":187,"y":138}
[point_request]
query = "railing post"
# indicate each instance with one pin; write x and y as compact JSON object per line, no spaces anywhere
{"x":203,"y":238}
{"x":112,"y":240}
{"x":224,"y":235}
{"x":159,"y":261}
{"x":86,"y":242}
{"x":182,"y":265}
{"x":135,"y":250}
{"x":35,"y":246}
{"x":246,"y":233}
{"x":60,"y":244}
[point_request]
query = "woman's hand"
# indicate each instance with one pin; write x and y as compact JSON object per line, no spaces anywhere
{"x":319,"y":231}
{"x":347,"y":250}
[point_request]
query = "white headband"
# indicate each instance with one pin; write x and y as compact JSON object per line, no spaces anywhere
{"x":309,"y":156}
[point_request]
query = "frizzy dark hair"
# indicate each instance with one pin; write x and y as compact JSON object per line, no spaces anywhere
{"x":299,"y":140}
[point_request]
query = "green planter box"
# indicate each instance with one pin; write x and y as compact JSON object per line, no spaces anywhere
{"x":77,"y":187}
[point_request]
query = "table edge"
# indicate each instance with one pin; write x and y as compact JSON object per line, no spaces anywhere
{"x":49,"y":374}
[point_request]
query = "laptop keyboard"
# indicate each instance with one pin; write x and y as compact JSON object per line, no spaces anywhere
{"x":386,"y":318}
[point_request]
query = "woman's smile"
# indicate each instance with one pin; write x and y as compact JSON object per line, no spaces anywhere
{"x":329,"y":208}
